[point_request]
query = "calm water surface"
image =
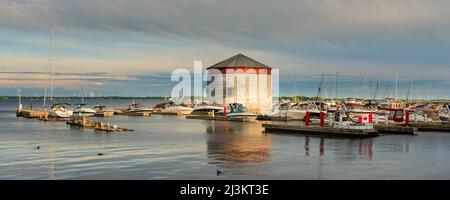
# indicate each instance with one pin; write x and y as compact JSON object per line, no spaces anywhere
{"x":171,"y":147}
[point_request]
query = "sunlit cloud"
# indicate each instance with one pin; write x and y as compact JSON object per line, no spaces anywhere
{"x":130,"y":41}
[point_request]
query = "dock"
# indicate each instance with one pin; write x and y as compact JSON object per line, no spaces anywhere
{"x":317,"y":130}
{"x":105,"y":114}
{"x":99,"y":126}
{"x":32,"y":113}
{"x":181,"y":112}
{"x":218,"y":118}
{"x":432,"y":127}
{"x":397,"y":130}
{"x":268,"y":118}
{"x":125,"y":112}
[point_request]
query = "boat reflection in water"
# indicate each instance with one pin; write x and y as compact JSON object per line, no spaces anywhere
{"x":364,"y":147}
{"x":238,"y":148}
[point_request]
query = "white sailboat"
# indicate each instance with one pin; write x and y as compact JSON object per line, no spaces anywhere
{"x":60,"y":111}
{"x":56,"y":110}
{"x":81,"y":110}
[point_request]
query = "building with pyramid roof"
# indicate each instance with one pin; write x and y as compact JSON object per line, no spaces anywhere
{"x":245,"y":81}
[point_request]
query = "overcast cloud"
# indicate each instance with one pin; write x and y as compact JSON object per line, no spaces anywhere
{"x":373,"y":38}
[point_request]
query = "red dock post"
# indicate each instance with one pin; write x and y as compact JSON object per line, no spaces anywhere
{"x":322,"y":119}
{"x":225,"y":111}
{"x":307,"y":119}
{"x":370,"y":118}
{"x":360,"y":120}
{"x":407,"y":118}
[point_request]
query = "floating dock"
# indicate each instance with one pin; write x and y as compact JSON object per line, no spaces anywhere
{"x":181,"y":112}
{"x":105,"y":114}
{"x":437,"y":127}
{"x":143,"y":114}
{"x":393,"y":129}
{"x":219,"y":118}
{"x":268,"y":118}
{"x":99,"y":126}
{"x":317,"y":130}
{"x":32,"y":113}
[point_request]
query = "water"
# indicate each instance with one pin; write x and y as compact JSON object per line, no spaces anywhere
{"x":171,"y":147}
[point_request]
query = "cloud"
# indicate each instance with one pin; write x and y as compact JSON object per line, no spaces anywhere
{"x":303,"y":38}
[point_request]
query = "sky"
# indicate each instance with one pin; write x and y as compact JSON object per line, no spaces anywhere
{"x":131,"y":47}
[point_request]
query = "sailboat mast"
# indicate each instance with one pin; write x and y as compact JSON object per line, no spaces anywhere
{"x":319,"y":91}
{"x":82,"y":95}
{"x":337,"y":78}
{"x":396,"y":85}
{"x":51,"y":65}
{"x":377,"y":90}
{"x":45,"y":94}
{"x":411,"y":90}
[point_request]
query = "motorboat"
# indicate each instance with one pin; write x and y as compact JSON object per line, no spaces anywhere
{"x":136,"y":108}
{"x":296,"y":111}
{"x":171,"y":107}
{"x":102,"y":111}
{"x":83,"y":111}
{"x":237,"y":110}
{"x":60,"y":111}
{"x":444,"y":112}
{"x":204,"y":108}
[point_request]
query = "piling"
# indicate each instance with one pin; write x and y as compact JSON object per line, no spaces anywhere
{"x":307,"y":119}
{"x":322,"y":119}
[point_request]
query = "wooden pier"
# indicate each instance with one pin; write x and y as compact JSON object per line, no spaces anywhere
{"x":317,"y":130}
{"x":219,"y":118}
{"x":32,"y":113}
{"x":99,"y":126}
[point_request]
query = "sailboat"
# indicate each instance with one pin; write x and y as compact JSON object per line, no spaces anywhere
{"x":56,"y":110}
{"x":59,"y":110}
{"x":81,"y":110}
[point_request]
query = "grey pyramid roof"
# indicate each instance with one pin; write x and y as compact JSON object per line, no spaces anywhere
{"x":239,"y":60}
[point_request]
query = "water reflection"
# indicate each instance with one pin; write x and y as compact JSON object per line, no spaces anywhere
{"x":236,"y":145}
{"x":365,"y":148}
{"x":345,"y":151}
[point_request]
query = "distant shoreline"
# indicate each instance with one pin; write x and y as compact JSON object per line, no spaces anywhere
{"x":300,"y":98}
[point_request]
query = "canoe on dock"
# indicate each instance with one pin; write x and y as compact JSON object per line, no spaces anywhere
{"x":317,"y":130}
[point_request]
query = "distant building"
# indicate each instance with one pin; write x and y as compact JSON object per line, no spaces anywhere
{"x":243,"y":83}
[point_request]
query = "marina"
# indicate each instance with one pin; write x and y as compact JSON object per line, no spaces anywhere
{"x":239,"y":149}
{"x":239,"y":140}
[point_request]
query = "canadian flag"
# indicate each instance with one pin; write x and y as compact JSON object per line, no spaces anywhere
{"x":365,"y":119}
